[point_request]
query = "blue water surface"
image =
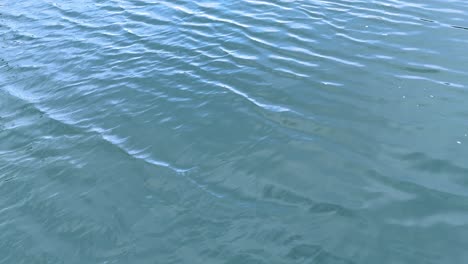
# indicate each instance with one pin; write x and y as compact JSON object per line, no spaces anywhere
{"x":235,"y":131}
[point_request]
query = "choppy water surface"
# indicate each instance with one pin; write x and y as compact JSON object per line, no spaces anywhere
{"x":248,"y":131}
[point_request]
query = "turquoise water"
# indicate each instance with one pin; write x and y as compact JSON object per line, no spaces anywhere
{"x":139,"y":131}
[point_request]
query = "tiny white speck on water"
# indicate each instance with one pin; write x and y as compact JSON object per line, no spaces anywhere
{"x":458,"y":142}
{"x":404,"y":96}
{"x":431,"y":96}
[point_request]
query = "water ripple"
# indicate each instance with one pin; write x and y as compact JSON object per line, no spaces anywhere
{"x":244,"y":131}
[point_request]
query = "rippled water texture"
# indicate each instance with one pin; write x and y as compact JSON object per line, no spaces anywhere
{"x":139,"y":131}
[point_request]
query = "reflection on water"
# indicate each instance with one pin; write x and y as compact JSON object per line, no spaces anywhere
{"x":233,"y":131}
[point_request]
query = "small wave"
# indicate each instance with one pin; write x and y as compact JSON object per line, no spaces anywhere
{"x":269,"y":107}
